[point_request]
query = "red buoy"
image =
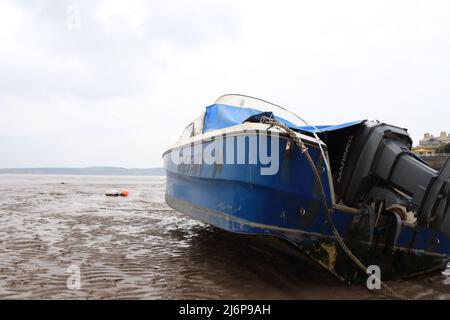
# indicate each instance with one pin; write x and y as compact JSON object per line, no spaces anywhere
{"x":124,"y":193}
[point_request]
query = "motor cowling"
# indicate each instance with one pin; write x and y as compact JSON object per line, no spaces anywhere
{"x":373,"y":162}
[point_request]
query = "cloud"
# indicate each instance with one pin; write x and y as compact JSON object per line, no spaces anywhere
{"x":120,"y":88}
{"x":115,"y":52}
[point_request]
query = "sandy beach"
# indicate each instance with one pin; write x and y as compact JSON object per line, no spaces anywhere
{"x":139,"y":248}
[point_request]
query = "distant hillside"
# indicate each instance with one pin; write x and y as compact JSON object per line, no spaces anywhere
{"x":104,"y":171}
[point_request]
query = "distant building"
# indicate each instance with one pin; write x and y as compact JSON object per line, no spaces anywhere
{"x":430,"y":141}
{"x":422,"y":151}
{"x":428,"y":145}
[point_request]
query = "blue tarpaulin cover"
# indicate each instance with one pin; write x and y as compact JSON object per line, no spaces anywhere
{"x":219,"y":116}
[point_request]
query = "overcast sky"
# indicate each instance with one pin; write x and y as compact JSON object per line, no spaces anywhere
{"x":93,"y":83}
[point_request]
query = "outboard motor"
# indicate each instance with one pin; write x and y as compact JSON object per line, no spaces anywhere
{"x":373,"y":162}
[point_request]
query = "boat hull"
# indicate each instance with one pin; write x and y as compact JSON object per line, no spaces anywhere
{"x":237,"y":198}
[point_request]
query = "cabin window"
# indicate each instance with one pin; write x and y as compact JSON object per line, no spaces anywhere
{"x":198,"y":125}
{"x":193,"y":129}
{"x":188,"y":132}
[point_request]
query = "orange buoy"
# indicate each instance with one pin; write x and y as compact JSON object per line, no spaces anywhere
{"x":124,"y":193}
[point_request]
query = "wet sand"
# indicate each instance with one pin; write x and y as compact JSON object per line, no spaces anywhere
{"x":139,"y":248}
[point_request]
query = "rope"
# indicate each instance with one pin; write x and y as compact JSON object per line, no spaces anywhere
{"x":328,"y":211}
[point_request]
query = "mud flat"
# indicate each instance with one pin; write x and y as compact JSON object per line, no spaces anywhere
{"x":138,"y":248}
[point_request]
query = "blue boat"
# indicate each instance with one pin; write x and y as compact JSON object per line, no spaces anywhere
{"x":348,"y":196}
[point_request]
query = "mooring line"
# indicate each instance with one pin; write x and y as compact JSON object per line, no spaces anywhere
{"x":304,"y":150}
